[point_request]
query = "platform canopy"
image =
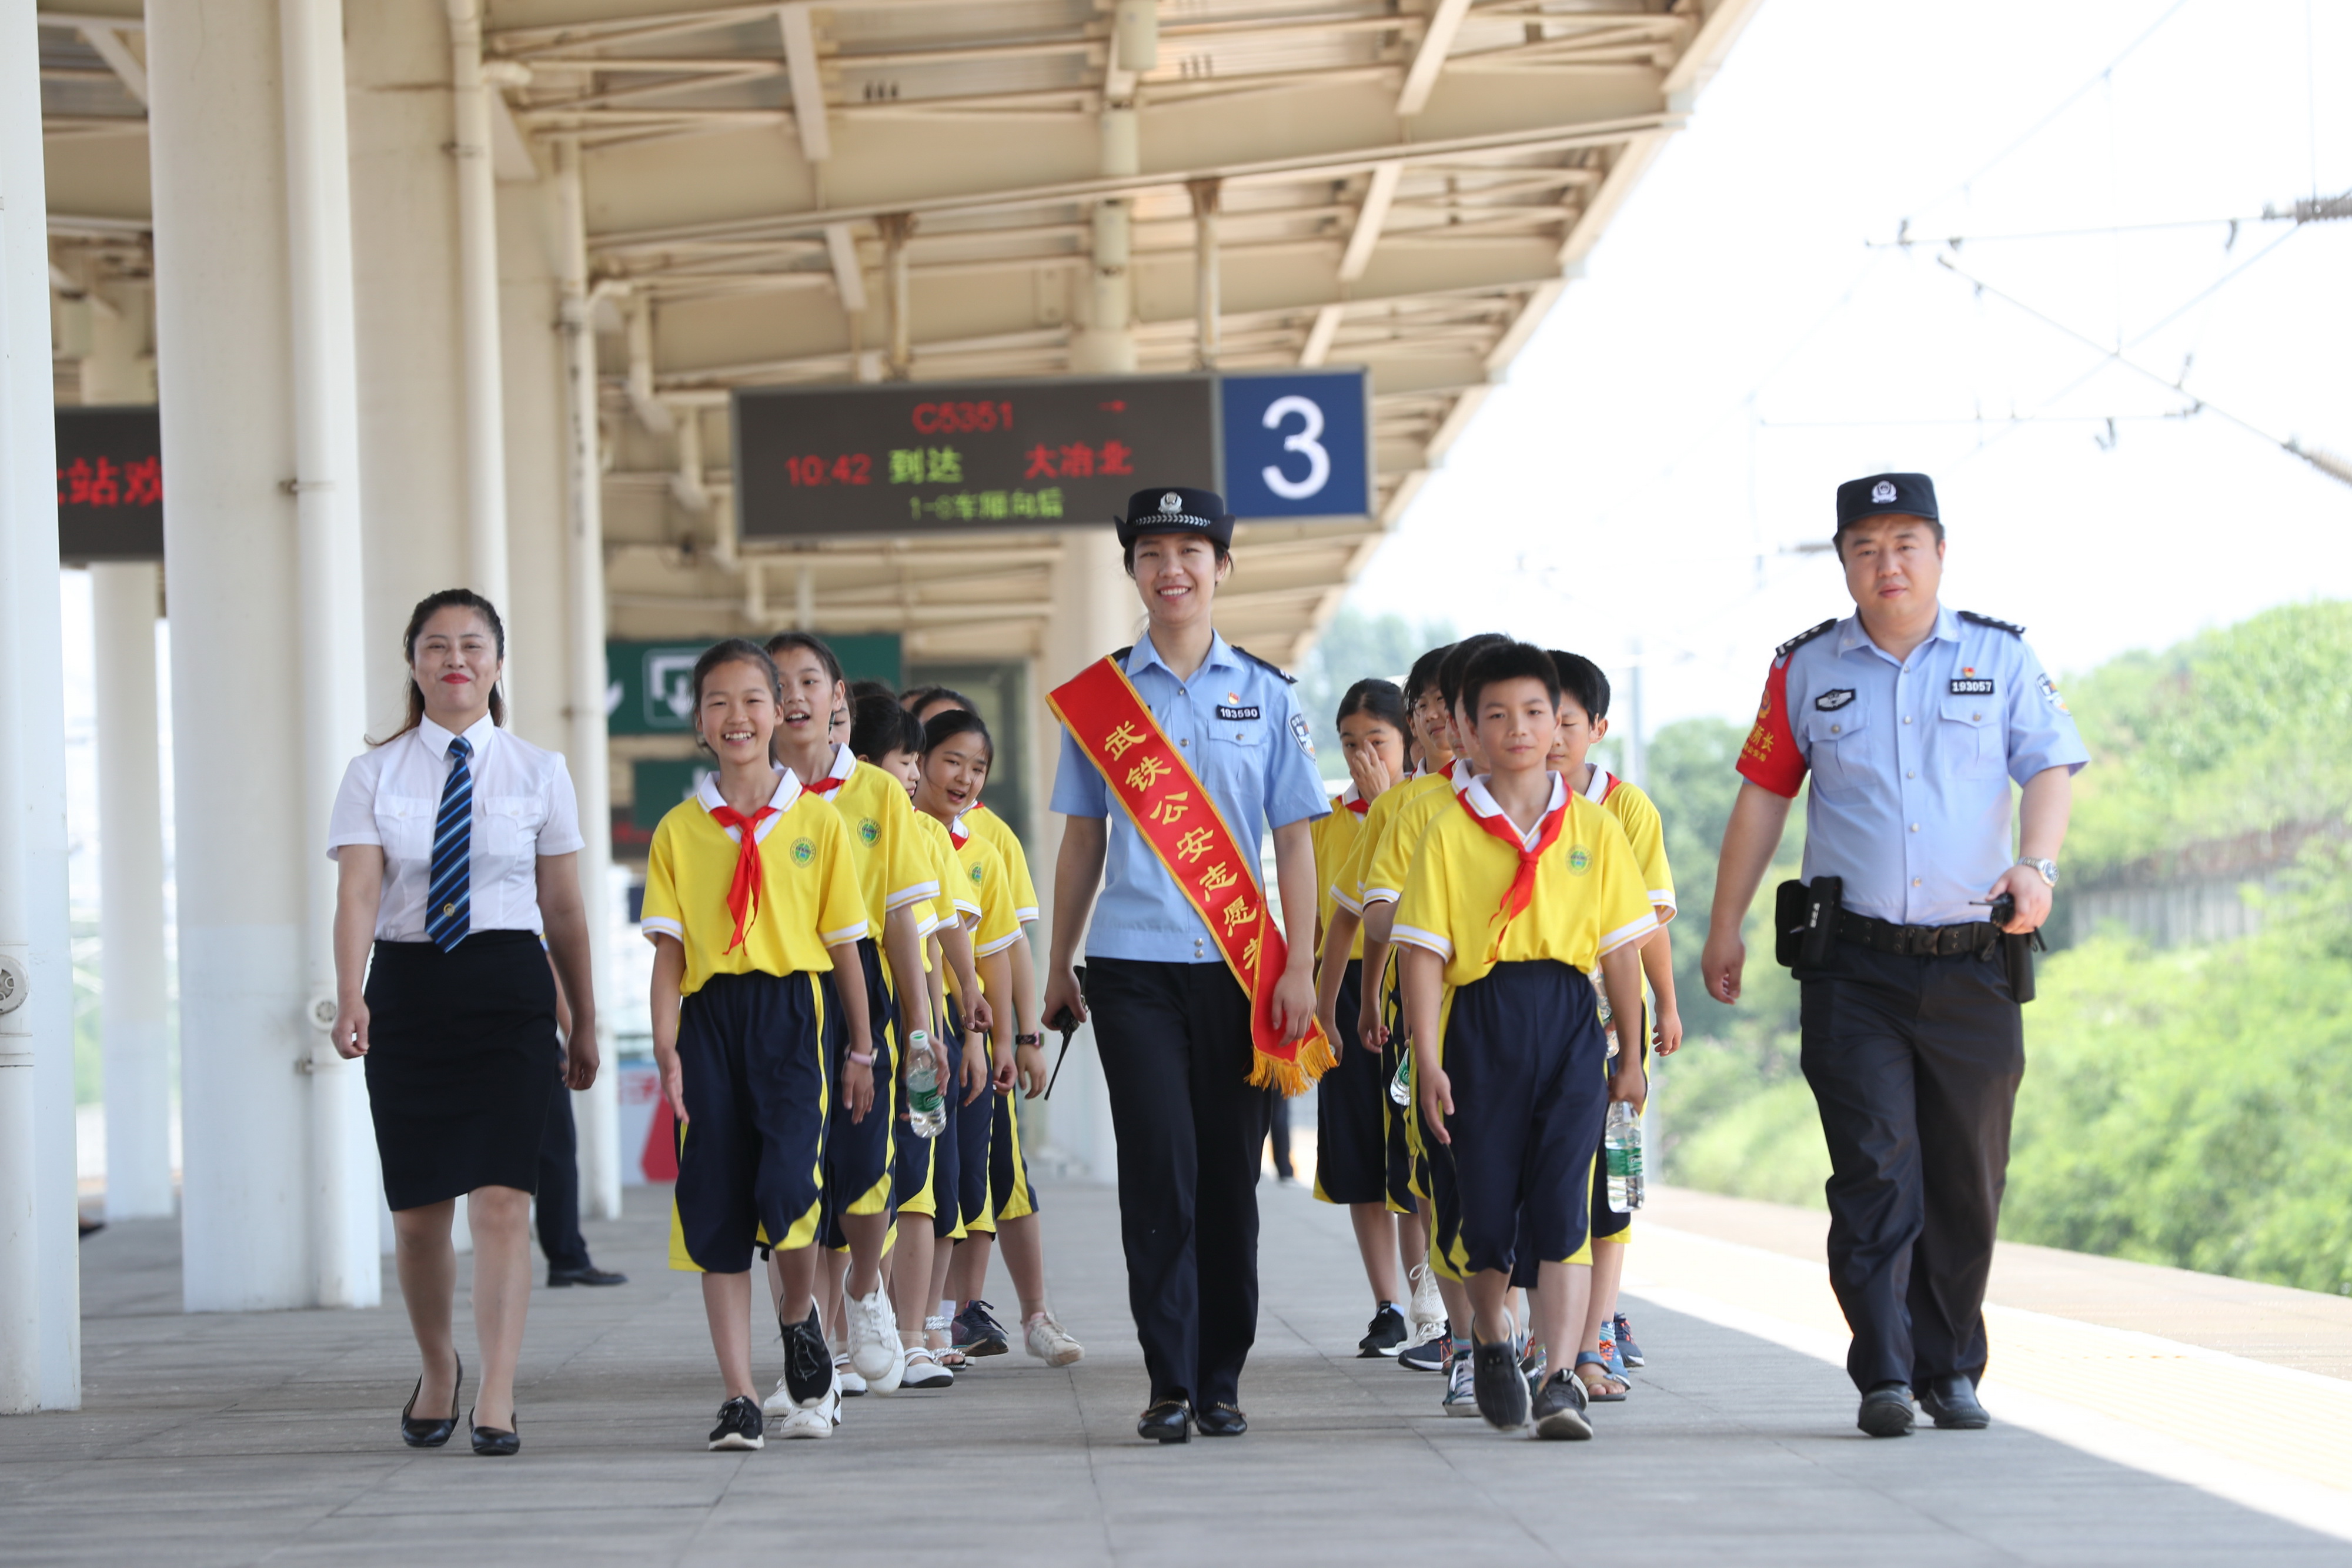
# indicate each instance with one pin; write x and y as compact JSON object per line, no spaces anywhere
{"x":1403,"y":184}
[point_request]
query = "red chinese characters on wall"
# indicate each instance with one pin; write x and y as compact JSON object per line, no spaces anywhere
{"x":103,"y":483}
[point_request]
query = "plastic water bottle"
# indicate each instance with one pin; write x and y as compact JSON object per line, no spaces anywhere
{"x":1621,"y":1142}
{"x":1400,"y":1086}
{"x":926,"y":1114}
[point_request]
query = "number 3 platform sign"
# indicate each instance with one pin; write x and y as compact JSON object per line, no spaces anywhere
{"x":1021,"y":455}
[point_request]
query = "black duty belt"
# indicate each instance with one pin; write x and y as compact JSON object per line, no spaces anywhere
{"x":1974,"y":937}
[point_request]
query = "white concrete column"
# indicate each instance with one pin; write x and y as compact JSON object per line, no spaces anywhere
{"x":134,"y":1015}
{"x":121,"y":365}
{"x":347,"y":1266}
{"x":40,"y":1281}
{"x":477,"y":281}
{"x":1107,"y":345}
{"x":252,"y":315}
{"x":597,"y":1112}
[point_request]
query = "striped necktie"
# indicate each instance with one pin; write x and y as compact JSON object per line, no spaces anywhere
{"x":449,"y":901}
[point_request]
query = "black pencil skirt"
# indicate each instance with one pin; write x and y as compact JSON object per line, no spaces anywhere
{"x":461,"y":1064}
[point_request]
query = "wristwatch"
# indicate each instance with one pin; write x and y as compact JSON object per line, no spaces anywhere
{"x":1020,"y":1039}
{"x":2049,"y":869}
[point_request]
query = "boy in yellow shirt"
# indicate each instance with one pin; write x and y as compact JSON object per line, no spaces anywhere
{"x":1514,"y":897}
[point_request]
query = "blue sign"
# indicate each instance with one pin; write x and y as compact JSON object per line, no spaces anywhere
{"x":1298,"y":444}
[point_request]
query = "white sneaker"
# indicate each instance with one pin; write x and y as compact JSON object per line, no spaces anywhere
{"x":891,"y":1381}
{"x":1428,"y":1308}
{"x":924,"y":1371}
{"x":1050,"y":1342}
{"x":818,"y":1422}
{"x":873,"y":1337}
{"x":845,"y":1381}
{"x":781,"y":1401}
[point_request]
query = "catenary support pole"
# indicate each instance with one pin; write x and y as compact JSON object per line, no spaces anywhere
{"x":477,"y":284}
{"x":598,"y":1110}
{"x":346,"y":1263}
{"x":40,"y":1287}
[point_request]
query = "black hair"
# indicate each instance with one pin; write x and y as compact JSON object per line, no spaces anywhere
{"x":1376,"y":699}
{"x":910,"y":734}
{"x":1457,"y":659}
{"x":733,"y":650}
{"x":427,"y":608}
{"x":1581,"y":678}
{"x":784,"y":640}
{"x":877,"y":726}
{"x":862,"y":689}
{"x":1837,"y":539}
{"x":945,"y":726}
{"x":1423,"y":673}
{"x":1127,"y":552}
{"x":1506,"y":660}
{"x":915,"y":699}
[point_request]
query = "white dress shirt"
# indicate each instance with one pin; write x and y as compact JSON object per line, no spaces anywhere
{"x":523,"y":808}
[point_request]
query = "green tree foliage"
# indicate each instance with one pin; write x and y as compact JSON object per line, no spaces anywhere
{"x":1353,"y":647}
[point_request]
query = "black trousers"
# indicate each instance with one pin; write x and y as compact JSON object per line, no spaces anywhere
{"x":1174,"y":1039}
{"x":1915,"y":1062}
{"x":558,"y":1187}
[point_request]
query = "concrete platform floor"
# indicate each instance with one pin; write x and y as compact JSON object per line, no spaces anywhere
{"x":270,"y":1436}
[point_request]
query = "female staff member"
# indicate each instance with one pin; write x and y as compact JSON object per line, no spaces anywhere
{"x":455,"y":844}
{"x":1172,"y":1024}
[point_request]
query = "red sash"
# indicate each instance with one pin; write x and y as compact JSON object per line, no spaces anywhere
{"x":1174,"y":813}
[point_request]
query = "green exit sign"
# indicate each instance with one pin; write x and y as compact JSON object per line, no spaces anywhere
{"x":649,"y":686}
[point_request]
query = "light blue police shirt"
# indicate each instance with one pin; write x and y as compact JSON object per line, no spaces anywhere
{"x":1238,"y":726}
{"x":1911,"y":759}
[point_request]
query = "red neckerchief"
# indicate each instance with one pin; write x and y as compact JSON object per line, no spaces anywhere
{"x":1353,"y":799}
{"x":831,"y":781}
{"x":1523,"y":883}
{"x":958,"y":835}
{"x":743,"y":894}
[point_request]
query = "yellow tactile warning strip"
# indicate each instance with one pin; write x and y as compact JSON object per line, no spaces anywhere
{"x":2273,"y":1437}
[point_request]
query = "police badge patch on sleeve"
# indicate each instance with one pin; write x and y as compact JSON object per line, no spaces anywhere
{"x":1299,"y":727}
{"x":2050,"y":694}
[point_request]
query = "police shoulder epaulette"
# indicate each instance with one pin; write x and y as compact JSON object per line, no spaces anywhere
{"x":1801,"y":638}
{"x":1119,"y":655}
{"x":2012,"y":627}
{"x":1266,"y":665}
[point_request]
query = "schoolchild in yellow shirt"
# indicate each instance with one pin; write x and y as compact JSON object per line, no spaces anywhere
{"x":1514,"y":897}
{"x":1352,"y":1150}
{"x":896,"y":879}
{"x":1607,"y":1344}
{"x":752,"y":907}
{"x":999,"y":1200}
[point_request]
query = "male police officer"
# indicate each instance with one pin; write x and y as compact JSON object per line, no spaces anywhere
{"x":1913,"y":721}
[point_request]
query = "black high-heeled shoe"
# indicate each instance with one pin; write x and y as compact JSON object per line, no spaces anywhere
{"x":493,"y":1443}
{"x":435,"y":1431}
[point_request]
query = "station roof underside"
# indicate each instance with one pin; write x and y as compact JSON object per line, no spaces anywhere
{"x":1403,"y":184}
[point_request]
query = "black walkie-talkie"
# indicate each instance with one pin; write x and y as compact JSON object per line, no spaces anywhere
{"x":1066,"y":1024}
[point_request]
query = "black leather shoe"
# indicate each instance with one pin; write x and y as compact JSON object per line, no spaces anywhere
{"x":592,"y":1275}
{"x":492,"y":1443}
{"x":1169,"y":1421}
{"x":1952,"y":1403}
{"x":1886,"y":1411}
{"x":433,"y":1432}
{"x":1222,"y":1421}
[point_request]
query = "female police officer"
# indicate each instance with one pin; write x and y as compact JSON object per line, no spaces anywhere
{"x":1181,"y":714}
{"x":1913,"y":721}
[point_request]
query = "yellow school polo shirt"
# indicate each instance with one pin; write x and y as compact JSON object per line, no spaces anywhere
{"x":1638,"y":815}
{"x":808,"y":887}
{"x":1383,"y":872}
{"x":893,"y":868}
{"x":992,"y":886}
{"x":951,"y":902}
{"x":985,"y":823}
{"x":1589,"y":899}
{"x":1334,"y":838}
{"x":1347,"y":889}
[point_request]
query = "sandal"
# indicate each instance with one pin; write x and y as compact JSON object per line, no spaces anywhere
{"x":947,"y":1355}
{"x":1597,"y":1388}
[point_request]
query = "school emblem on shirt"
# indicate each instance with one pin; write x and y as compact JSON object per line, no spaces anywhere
{"x":803,"y":851}
{"x":1306,"y":737}
{"x":1580,"y":859}
{"x":1831,"y":701}
{"x":868,"y":829}
{"x":975,"y":876}
{"x":1979,"y":686}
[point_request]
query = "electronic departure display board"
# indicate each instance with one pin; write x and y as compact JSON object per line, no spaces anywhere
{"x":911,"y":457}
{"x":110,"y":484}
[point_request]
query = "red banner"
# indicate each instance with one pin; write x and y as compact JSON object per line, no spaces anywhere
{"x":1173,"y":812}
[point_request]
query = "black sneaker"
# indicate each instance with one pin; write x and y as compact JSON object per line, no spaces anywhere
{"x":1502,"y":1390}
{"x":1560,"y":1407}
{"x":1385,"y":1334}
{"x":1626,"y":1349}
{"x":1427,"y":1356}
{"x":808,"y":1365}
{"x":739,"y":1425}
{"x":977,"y":1332}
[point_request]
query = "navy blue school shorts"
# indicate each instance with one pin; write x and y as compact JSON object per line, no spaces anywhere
{"x":1351,"y":1105}
{"x":753,"y":1050}
{"x":1524,"y":1053}
{"x":858,"y":1155}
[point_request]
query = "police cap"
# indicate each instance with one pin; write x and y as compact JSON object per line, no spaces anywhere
{"x":1913,"y":495}
{"x":1176,"y":509}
